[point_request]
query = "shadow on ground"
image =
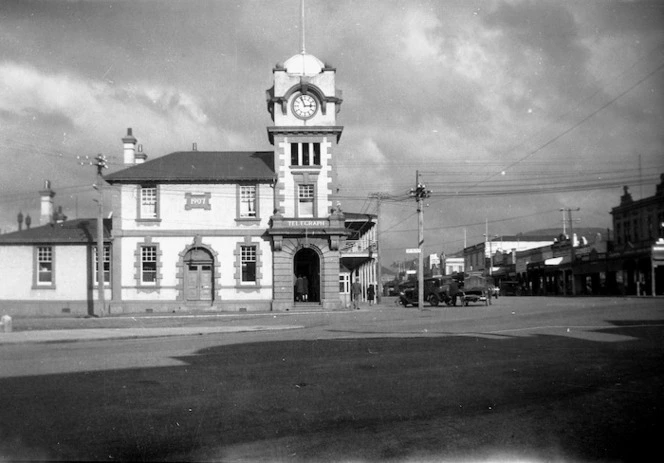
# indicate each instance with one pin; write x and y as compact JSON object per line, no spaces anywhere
{"x":539,"y":397}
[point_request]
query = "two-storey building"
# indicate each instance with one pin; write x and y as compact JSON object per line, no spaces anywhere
{"x":223,"y":230}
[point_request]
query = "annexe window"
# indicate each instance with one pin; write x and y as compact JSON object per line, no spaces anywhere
{"x":149,"y":265}
{"x":45,"y":266}
{"x":247,"y":201}
{"x":248,"y":259}
{"x":107,"y":265}
{"x":148,"y":202}
{"x":305,"y":196}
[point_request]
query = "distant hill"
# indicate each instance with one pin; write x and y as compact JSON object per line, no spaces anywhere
{"x":588,"y":232}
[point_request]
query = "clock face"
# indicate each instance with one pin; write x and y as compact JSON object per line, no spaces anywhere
{"x":304,"y":106}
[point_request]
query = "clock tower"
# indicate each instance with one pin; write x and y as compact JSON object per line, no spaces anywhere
{"x":306,"y":228}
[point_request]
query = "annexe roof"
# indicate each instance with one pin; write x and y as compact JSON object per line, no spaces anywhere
{"x":78,"y":231}
{"x":201,"y":167}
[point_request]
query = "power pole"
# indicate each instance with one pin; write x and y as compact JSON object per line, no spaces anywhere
{"x":420,"y":193}
{"x":379,"y":277}
{"x":571,"y":244}
{"x":100,"y":163}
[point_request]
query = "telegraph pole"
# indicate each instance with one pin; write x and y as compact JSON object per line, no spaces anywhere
{"x":100,"y":163}
{"x":420,"y":193}
{"x":571,"y":243}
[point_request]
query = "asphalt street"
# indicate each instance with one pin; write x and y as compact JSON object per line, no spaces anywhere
{"x":540,"y":379}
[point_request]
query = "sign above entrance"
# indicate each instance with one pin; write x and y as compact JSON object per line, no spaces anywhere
{"x":412,"y":251}
{"x":305,"y":223}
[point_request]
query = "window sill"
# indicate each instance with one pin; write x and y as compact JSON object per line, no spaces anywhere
{"x":148,"y":221}
{"x":248,"y":286}
{"x":43,"y":286}
{"x":248,"y":220}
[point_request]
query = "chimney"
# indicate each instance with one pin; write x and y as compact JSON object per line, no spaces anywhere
{"x":140,"y":156}
{"x":47,"y":195}
{"x":28,"y":221}
{"x":194,"y":147}
{"x":19,"y":217}
{"x":129,"y":144}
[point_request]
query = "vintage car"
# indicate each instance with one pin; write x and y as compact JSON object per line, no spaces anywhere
{"x":475,"y":295}
{"x":436,"y":291}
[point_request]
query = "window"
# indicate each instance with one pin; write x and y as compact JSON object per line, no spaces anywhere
{"x":148,"y":202}
{"x":305,"y":197}
{"x":45,"y":266}
{"x":107,"y":265}
{"x":248,"y":256}
{"x":149,"y":265}
{"x":247,"y":201}
{"x":305,"y":154}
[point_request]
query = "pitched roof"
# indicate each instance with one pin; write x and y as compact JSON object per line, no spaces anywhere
{"x":200,"y":166}
{"x":78,"y":231}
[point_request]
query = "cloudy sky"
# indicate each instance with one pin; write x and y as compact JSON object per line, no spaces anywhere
{"x":508,"y":110}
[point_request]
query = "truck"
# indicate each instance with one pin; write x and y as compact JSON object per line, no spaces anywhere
{"x":436,"y":291}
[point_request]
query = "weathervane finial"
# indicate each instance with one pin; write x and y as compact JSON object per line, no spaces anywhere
{"x":302,"y":26}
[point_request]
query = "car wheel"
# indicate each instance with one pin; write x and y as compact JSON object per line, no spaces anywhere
{"x":433,"y":300}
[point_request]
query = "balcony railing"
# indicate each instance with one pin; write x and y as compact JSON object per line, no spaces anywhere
{"x":359,"y":247}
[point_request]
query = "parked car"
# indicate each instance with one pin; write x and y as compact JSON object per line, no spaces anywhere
{"x":475,"y":295}
{"x":436,"y":291}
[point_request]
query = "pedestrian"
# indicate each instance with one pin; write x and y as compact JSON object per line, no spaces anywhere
{"x":454,"y":291}
{"x":305,"y":288}
{"x":299,"y":288}
{"x":371,"y":293}
{"x":356,"y":293}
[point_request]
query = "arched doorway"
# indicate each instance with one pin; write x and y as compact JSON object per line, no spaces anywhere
{"x":306,"y":264}
{"x":199,"y":274}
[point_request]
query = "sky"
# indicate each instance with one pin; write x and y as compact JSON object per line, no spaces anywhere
{"x":508,"y":111}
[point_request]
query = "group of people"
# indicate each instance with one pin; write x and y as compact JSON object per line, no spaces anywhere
{"x":301,"y":289}
{"x":356,"y":294}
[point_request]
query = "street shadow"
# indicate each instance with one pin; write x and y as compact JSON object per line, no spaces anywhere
{"x":544,"y":397}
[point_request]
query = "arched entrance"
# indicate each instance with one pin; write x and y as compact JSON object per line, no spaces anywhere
{"x":306,"y":264}
{"x":199,"y":272}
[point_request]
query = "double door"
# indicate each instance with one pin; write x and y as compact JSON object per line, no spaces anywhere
{"x":199,"y":281}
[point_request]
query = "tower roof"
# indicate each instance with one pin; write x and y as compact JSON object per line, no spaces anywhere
{"x":303,"y":64}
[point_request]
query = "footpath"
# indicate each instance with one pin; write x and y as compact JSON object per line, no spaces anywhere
{"x":83,"y":334}
{"x":72,"y":329}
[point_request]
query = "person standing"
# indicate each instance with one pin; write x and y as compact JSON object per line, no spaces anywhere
{"x":356,"y":293}
{"x":305,"y":288}
{"x":371,"y":293}
{"x":454,"y":291}
{"x":299,"y":288}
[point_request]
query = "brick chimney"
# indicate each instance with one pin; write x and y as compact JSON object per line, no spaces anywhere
{"x":140,"y":157}
{"x":47,"y":195}
{"x":129,"y":144}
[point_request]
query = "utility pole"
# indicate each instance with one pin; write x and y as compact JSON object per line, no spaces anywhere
{"x":100,"y":163}
{"x":571,"y":244}
{"x":379,"y":283}
{"x":420,"y":193}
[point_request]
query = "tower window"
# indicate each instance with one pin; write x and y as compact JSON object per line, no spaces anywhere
{"x":306,"y":200}
{"x":305,"y":154}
